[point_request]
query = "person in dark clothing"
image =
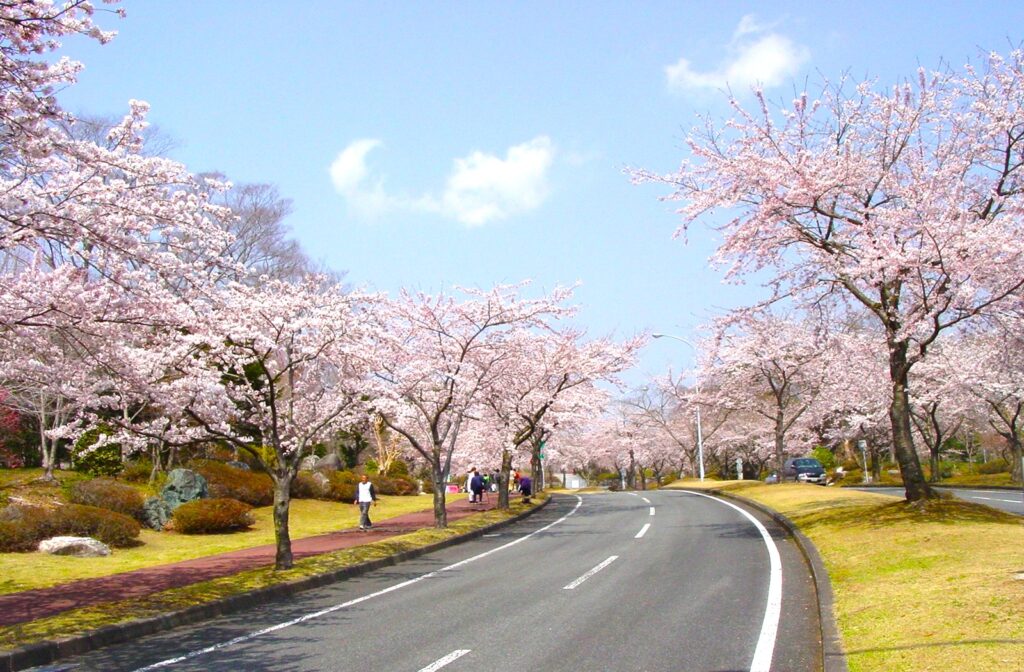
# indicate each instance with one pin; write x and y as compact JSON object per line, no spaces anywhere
{"x":526,"y":488}
{"x":476,"y":485}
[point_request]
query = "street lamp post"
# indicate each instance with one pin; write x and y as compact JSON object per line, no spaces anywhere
{"x":700,"y":437}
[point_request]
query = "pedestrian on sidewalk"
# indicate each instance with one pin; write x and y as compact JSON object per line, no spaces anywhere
{"x":366,"y":496}
{"x":469,"y":485}
{"x":476,"y":484}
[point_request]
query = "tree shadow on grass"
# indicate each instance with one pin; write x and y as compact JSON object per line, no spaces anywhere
{"x":931,"y":645}
{"x":943,"y":511}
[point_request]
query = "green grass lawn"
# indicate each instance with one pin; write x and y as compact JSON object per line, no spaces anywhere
{"x":79,"y":621}
{"x":938,"y":586}
{"x":23,"y":571}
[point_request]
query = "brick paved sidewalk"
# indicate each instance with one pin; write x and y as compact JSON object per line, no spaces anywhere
{"x":31,"y":605}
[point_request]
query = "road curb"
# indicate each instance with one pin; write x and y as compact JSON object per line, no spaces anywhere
{"x":833,"y":655}
{"x":46,"y":652}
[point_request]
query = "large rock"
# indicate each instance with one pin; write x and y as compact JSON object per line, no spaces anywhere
{"x":308,"y":463}
{"x":156,"y":512}
{"x":82,"y":547}
{"x":238,"y":464}
{"x":329,"y":462}
{"x":323,"y":483}
{"x":183,"y":485}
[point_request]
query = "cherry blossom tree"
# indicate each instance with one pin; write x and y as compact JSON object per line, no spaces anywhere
{"x":545,"y":372}
{"x":907,"y":202}
{"x":771,"y":366}
{"x":269,"y":370}
{"x":436,"y":357}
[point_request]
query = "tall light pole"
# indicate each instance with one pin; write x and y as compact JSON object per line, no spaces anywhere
{"x":700,"y":438}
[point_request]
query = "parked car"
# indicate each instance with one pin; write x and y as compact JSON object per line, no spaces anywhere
{"x":772,"y":478}
{"x":804,"y":470}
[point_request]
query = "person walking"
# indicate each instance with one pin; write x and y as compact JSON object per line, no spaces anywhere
{"x":526,"y":487}
{"x":366,"y":496}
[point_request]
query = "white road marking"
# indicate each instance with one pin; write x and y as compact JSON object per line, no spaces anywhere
{"x":646,"y":500}
{"x":633,"y":493}
{"x":492,"y":535}
{"x":344,"y":605}
{"x":441,"y":662}
{"x":652,"y":510}
{"x":996,"y":499}
{"x":589,"y":574}
{"x":773,"y":609}
{"x":643,"y":531}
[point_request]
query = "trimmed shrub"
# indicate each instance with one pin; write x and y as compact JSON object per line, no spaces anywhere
{"x":306,"y":486}
{"x":22,"y":528}
{"x":393,"y":486}
{"x":209,"y":516}
{"x":102,"y":461}
{"x":998,"y":466}
{"x":109,"y":494}
{"x":226,"y":482}
{"x":343,"y":486}
{"x":137,"y":471}
{"x":79,"y":520}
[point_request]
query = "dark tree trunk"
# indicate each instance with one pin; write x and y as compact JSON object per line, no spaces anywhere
{"x":914,"y":482}
{"x":503,"y":476}
{"x":282,"y":501}
{"x":440,"y":513}
{"x":780,"y":443}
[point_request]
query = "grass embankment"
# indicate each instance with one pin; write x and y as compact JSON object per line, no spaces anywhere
{"x":84,"y":620}
{"x":308,"y":517}
{"x":936,"y":586}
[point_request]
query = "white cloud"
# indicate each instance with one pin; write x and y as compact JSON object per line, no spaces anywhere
{"x":480,"y":189}
{"x":767,"y":60}
{"x":349,"y":174}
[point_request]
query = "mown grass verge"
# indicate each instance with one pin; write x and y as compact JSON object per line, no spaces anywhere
{"x":308,"y":517}
{"x":933,"y":586}
{"x":80,"y":621}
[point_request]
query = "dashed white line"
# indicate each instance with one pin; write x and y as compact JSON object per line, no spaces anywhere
{"x":589,"y":574}
{"x":344,"y":605}
{"x":441,"y":662}
{"x":646,"y":500}
{"x":652,"y":510}
{"x":643,"y":531}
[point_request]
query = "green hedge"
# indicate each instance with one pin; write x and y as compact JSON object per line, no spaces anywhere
{"x":210,"y":516}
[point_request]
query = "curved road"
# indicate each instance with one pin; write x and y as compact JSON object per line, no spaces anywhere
{"x":663,"y":580}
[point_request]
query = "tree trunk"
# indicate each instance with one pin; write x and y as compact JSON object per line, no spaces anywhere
{"x":914,"y":483}
{"x":440,"y":513}
{"x":503,"y":476}
{"x":780,"y":444}
{"x":282,"y":501}
{"x":631,"y":474}
{"x":1015,"y":454}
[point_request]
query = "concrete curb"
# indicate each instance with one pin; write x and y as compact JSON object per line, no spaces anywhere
{"x":833,"y":658}
{"x":46,"y":652}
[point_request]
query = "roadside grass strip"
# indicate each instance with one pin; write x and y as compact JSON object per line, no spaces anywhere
{"x":79,"y":621}
{"x":937,"y":585}
{"x":309,"y":517}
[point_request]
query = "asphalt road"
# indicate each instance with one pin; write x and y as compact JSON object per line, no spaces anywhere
{"x":1011,"y":501}
{"x":665,"y":580}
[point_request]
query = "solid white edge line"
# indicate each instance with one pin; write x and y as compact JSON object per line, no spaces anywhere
{"x":762,"y":661}
{"x":316,"y":614}
{"x":996,"y":499}
{"x":643,"y":530}
{"x":652,"y":510}
{"x":589,"y":574}
{"x":441,"y":662}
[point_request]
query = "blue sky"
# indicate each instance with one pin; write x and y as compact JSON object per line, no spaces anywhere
{"x":473,"y":143}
